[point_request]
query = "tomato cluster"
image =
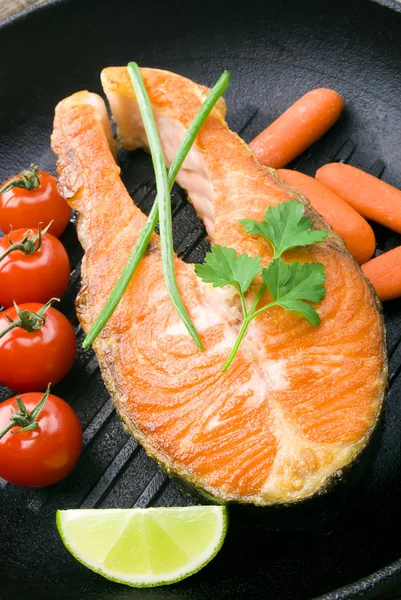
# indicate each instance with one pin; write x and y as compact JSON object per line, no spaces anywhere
{"x":40,"y":435}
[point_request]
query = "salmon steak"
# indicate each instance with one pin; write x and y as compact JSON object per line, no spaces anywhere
{"x":299,"y":403}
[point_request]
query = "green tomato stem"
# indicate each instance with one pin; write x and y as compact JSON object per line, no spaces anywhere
{"x":9,"y":327}
{"x":29,"y":244}
{"x":7,"y":428}
{"x":28,"y":320}
{"x":22,"y":418}
{"x":10,"y":249}
{"x":28,"y":180}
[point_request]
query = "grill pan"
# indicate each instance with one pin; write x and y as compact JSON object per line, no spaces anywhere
{"x":276,"y":52}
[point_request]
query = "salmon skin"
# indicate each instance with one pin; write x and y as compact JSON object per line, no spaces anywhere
{"x":299,"y":403}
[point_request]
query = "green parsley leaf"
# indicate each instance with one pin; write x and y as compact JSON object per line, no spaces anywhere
{"x":285,"y":227}
{"x":292,"y":283}
{"x":223,"y":267}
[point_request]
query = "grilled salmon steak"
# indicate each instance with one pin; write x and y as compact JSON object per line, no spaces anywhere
{"x":299,"y":403}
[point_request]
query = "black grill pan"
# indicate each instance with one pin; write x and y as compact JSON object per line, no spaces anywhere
{"x":276,"y":51}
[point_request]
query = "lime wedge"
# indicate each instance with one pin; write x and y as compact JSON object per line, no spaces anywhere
{"x":144,"y":547}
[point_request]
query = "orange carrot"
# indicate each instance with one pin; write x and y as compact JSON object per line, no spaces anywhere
{"x":384,"y":273}
{"x":372,"y":198}
{"x":298,"y":127}
{"x":356,"y":232}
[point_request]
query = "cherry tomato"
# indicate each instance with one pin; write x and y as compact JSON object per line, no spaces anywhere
{"x":25,"y":208}
{"x":35,"y":277}
{"x":41,"y":456}
{"x":29,"y":360}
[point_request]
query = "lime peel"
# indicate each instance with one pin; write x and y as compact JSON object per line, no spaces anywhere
{"x":144,"y":547}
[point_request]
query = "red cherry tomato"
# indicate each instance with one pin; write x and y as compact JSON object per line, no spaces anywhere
{"x":44,"y":455}
{"x":29,"y":360}
{"x":25,"y":208}
{"x":33,"y":277}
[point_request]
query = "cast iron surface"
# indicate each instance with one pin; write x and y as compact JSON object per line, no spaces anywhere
{"x":276,"y":51}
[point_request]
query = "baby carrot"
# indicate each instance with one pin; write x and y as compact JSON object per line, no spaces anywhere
{"x":384,"y":273}
{"x":298,"y":127}
{"x":356,"y":232}
{"x":372,"y":198}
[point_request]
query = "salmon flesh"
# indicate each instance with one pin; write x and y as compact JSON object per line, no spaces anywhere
{"x":299,"y":403}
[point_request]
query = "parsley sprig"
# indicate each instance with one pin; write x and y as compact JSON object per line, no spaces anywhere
{"x":291,"y":285}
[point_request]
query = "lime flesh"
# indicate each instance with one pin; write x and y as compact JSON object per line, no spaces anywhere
{"x":144,"y":547}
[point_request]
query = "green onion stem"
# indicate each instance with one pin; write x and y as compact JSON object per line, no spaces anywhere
{"x":146,"y":233}
{"x":163,"y":199}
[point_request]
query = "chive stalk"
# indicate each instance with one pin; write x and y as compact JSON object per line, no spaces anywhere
{"x":163,"y":200}
{"x":153,"y":218}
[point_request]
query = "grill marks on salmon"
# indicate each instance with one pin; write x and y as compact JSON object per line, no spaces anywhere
{"x":298,"y":403}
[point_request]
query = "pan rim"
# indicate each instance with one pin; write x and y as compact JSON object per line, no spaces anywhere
{"x":388,"y":575}
{"x":394,"y":5}
{"x":376,"y":582}
{"x":26,"y":12}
